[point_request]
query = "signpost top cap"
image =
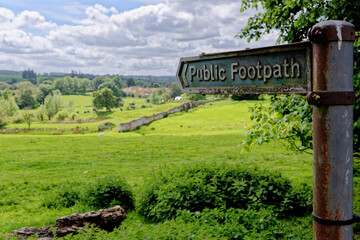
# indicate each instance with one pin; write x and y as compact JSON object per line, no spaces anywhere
{"x":332,"y":30}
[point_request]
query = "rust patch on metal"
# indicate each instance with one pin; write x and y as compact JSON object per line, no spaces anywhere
{"x":331,"y":98}
{"x":321,"y":67}
{"x":322,"y":171}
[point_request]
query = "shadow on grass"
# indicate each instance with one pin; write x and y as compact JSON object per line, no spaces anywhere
{"x":104,"y":114}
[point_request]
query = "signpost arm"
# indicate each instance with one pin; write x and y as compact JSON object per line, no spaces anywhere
{"x":333,"y":100}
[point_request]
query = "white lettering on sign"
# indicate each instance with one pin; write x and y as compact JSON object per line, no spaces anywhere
{"x":286,"y":69}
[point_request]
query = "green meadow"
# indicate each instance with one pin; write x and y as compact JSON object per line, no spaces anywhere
{"x":34,"y":164}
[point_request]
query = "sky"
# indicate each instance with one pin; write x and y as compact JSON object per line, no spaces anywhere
{"x":126,"y":37}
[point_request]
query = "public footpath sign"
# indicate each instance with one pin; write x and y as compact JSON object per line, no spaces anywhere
{"x":322,"y":69}
{"x":277,"y":69}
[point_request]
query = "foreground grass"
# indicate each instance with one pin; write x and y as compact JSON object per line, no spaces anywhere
{"x":33,"y":166}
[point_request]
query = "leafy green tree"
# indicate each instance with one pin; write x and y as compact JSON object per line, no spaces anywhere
{"x":98,"y":80}
{"x":165,"y":97}
{"x":27,"y":117}
{"x":8,"y":104}
{"x":52,"y":104}
{"x":175,"y":90}
{"x":41,"y":113}
{"x":29,"y":75}
{"x":105,"y":98}
{"x":111,"y":85}
{"x":155,"y":96}
{"x":130,"y":82}
{"x":293,"y":19}
{"x":26,"y":95}
{"x":84,"y":83}
{"x":117,"y":81}
{"x":45,"y":89}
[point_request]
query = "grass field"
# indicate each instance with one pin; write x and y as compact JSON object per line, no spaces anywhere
{"x":33,"y":166}
{"x":9,"y":78}
{"x":87,"y":120}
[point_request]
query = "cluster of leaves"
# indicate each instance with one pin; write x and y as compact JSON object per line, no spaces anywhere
{"x":159,"y":96}
{"x":105,"y":126}
{"x":293,"y":19}
{"x":287,"y":119}
{"x":104,"y":193}
{"x":196,"y":188}
{"x":105,"y":98}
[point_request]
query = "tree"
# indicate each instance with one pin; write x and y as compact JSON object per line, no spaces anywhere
{"x":27,"y":116}
{"x":8,"y":104}
{"x":41,"y":113}
{"x":293,"y":19}
{"x":52,"y":104}
{"x":155,"y":96}
{"x":96,"y":82}
{"x":29,"y":75}
{"x":105,"y":98}
{"x":130,"y":82}
{"x":175,"y":90}
{"x":111,"y":85}
{"x":26,"y":95}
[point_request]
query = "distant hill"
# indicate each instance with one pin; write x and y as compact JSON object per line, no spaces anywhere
{"x":9,"y":72}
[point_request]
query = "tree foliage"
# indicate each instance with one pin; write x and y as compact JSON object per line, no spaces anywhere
{"x":287,"y":119}
{"x":293,"y":19}
{"x":27,"y":117}
{"x":8,"y":104}
{"x":175,"y":90}
{"x":105,"y":98}
{"x":52,"y":104}
{"x":29,"y":75}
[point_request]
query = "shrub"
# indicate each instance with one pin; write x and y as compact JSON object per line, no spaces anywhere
{"x":210,"y":224}
{"x":108,"y":192}
{"x":103,"y":193}
{"x":3,"y":122}
{"x":105,"y":126}
{"x":18,"y":119}
{"x":61,"y":116}
{"x":195,"y":188}
{"x":66,"y":196}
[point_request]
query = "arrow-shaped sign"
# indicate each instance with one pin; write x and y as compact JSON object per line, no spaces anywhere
{"x":276,"y":69}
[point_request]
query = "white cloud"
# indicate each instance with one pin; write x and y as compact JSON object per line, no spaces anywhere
{"x":146,"y":40}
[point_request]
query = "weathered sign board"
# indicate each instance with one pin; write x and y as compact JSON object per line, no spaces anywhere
{"x":276,"y":69}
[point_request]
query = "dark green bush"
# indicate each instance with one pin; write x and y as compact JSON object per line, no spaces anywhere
{"x":103,"y":193}
{"x":195,"y":188}
{"x":107,"y":192}
{"x":105,"y":126}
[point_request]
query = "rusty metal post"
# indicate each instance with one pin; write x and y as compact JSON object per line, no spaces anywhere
{"x":333,"y":100}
